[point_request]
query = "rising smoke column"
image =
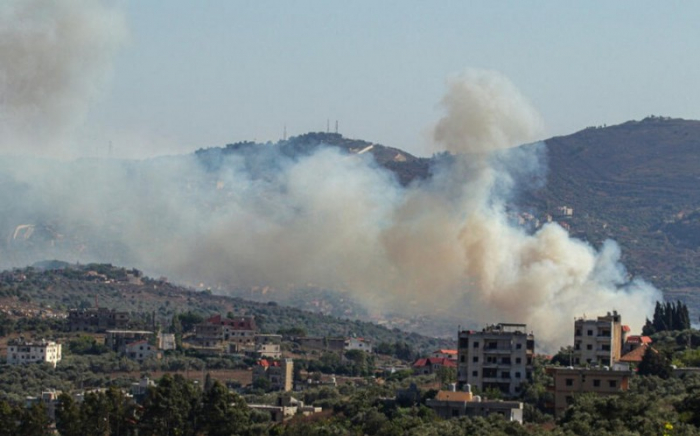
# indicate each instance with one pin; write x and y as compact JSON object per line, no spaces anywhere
{"x":443,"y":247}
{"x":544,"y":279}
{"x":55,"y":57}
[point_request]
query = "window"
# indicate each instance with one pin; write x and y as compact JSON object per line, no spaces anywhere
{"x":518,"y":346}
{"x":475,"y":359}
{"x":518,"y":360}
{"x":475,"y":373}
{"x":475,"y":344}
{"x":462,"y":358}
{"x":589,"y":346}
{"x":612,"y":383}
{"x":578,"y":332}
{"x":590,"y":332}
{"x":596,"y":383}
{"x":505,"y":374}
{"x":569,"y":382}
{"x":517,"y":374}
{"x":569,"y":400}
{"x":606,"y":347}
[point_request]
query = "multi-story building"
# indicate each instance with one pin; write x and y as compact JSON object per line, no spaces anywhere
{"x":20,"y":352}
{"x":498,"y":357}
{"x":268,"y":346}
{"x":96,"y":320}
{"x":360,"y":344}
{"x":569,"y":381}
{"x":235,"y":334}
{"x":117,"y":340}
{"x":141,"y":350}
{"x":598,"y":341}
{"x":280,"y":373}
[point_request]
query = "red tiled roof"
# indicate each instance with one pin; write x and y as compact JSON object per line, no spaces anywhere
{"x":442,"y":351}
{"x":626,"y":328}
{"x":420,"y":363}
{"x":430,"y":361}
{"x":639,"y":339}
{"x":636,"y":355}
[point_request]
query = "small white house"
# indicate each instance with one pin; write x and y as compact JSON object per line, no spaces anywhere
{"x":141,"y":351}
{"x":358,"y":344}
{"x":21,"y":352}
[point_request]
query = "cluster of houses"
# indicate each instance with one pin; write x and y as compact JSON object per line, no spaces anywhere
{"x":498,"y":358}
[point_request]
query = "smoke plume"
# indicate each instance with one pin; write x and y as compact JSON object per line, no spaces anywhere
{"x":445,"y":246}
{"x":55,"y":58}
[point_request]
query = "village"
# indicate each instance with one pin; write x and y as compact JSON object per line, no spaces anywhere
{"x":483,"y":375}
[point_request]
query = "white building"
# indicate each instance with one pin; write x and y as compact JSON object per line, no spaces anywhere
{"x":166,"y":341}
{"x":21,"y":352}
{"x":141,"y":351}
{"x":358,"y":344}
{"x":498,"y":357}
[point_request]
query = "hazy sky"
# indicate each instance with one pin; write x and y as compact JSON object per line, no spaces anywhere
{"x":202,"y":74}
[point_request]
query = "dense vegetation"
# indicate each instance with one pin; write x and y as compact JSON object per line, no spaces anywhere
{"x":148,"y":301}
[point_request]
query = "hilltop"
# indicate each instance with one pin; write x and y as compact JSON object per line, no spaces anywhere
{"x":636,"y":183}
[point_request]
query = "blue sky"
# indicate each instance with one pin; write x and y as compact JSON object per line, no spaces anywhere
{"x":208,"y":73}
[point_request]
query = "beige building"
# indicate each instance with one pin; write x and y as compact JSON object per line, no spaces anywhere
{"x":268,"y":346}
{"x":498,"y":357}
{"x":280,"y":373}
{"x":568,"y":382}
{"x":598,"y":341}
{"x":453,"y":404}
{"x":20,"y":352}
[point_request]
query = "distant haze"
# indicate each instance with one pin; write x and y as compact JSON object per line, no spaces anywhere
{"x":445,"y":246}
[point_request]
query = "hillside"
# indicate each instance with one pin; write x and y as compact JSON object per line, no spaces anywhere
{"x":37,"y":291}
{"x":637,"y":183}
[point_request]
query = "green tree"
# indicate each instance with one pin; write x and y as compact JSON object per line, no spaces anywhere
{"x":654,"y":363}
{"x":68,"y":419}
{"x":34,"y":421}
{"x":8,"y":419}
{"x":223,"y":412}
{"x":170,"y":408}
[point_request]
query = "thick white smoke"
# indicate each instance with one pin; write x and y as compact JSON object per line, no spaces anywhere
{"x":54,"y":58}
{"x":442,"y":246}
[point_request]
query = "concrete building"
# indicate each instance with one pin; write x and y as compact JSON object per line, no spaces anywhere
{"x":141,"y":350}
{"x":445,"y":353}
{"x":321,"y":343}
{"x":96,"y":320}
{"x":431,"y":365}
{"x":20,"y":352}
{"x":280,"y":373}
{"x":361,"y":344}
{"x":232,"y":334}
{"x":268,"y":346}
{"x":498,"y":357}
{"x":598,"y":341}
{"x":166,"y":341}
{"x":49,"y":398}
{"x":453,"y":404}
{"x":117,"y":340}
{"x":286,"y":408}
{"x":568,"y":382}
